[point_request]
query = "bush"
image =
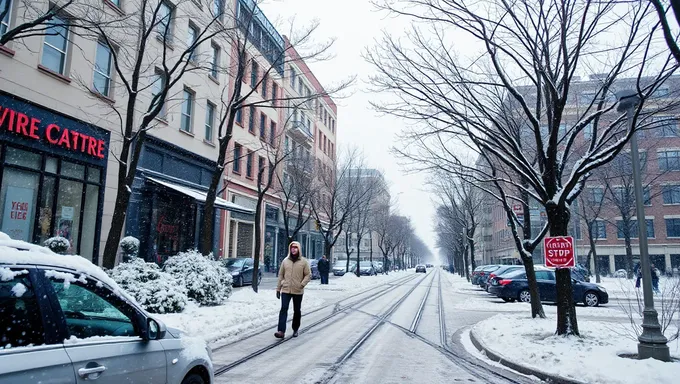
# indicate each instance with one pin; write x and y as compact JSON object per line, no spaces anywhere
{"x":207,"y":281}
{"x":57,"y":244}
{"x":155,"y":290}
{"x":130,"y":247}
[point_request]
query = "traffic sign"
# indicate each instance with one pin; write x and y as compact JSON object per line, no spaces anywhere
{"x":559,"y":252}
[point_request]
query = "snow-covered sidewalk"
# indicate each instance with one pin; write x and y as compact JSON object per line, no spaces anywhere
{"x":246,"y":310}
{"x":592,"y":358}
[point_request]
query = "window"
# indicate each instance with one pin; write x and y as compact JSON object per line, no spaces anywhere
{"x":218,"y":8}
{"x":661,"y":92}
{"x":253,"y":74}
{"x":599,"y":230}
{"x":263,"y":126}
{"x":672,"y":227}
{"x":671,"y":194}
{"x":646,"y":196}
{"x":634,"y":229}
{"x":545,"y":275}
{"x":90,"y":314}
{"x":6,"y":9}
{"x":300,"y":86}
{"x":260,"y":164}
{"x":320,"y":140}
{"x":595,"y":195}
{"x":251,"y":120}
{"x":239,"y":116}
{"x":669,"y":160}
{"x":292,"y":77}
{"x":333,"y":126}
{"x":20,"y":321}
{"x":55,"y":46}
{"x":264,"y":86}
{"x":158,"y":88}
{"x":215,"y":60}
{"x":191,"y":40}
{"x":187,"y":110}
{"x":102,"y":69}
{"x":275,"y":92}
{"x":209,"y":121}
{"x":666,"y":126}
{"x":237,"y":158}
{"x":249,"y":165}
{"x":164,"y":23}
{"x":272,"y":133}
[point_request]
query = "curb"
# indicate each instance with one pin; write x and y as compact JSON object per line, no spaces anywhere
{"x":496,"y":357}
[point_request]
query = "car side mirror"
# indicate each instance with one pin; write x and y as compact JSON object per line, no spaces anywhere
{"x":155,"y":329}
{"x":574,"y":281}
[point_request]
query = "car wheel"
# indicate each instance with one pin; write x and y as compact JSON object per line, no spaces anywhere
{"x":193,"y":378}
{"x":591,"y":299}
{"x":525,"y":296}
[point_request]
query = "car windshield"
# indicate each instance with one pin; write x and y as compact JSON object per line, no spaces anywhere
{"x":517,"y":274}
{"x":234,"y":263}
{"x":365,"y":264}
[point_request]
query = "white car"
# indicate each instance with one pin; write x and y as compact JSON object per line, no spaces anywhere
{"x":64,"y":320}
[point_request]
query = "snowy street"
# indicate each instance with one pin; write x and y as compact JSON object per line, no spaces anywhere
{"x":391,"y":332}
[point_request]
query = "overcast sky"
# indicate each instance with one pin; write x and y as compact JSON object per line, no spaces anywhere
{"x":355,"y":24}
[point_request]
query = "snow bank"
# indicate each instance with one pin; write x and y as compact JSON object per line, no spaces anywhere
{"x":591,"y":358}
{"x":206,"y":281}
{"x":349,"y":282}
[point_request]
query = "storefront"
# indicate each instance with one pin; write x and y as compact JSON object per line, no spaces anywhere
{"x":52,"y":176}
{"x":167,"y":201}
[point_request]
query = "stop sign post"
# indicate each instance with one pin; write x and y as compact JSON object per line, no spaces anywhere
{"x":559,"y":252}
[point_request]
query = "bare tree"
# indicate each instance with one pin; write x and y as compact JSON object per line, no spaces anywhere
{"x":668,"y":35}
{"x":591,"y":202}
{"x":530,"y":54}
{"x":40,"y":18}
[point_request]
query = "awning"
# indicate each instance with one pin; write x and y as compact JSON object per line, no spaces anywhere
{"x":200,"y":196}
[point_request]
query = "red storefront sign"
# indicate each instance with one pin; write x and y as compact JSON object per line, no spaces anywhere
{"x":559,"y":252}
{"x":31,"y":127}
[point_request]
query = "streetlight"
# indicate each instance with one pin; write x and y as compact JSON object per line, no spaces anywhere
{"x":652,"y":342}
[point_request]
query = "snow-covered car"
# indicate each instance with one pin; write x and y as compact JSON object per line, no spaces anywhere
{"x":241,"y":269}
{"x":366,"y":268}
{"x":622,"y":273}
{"x":339,"y":268}
{"x":63,"y":319}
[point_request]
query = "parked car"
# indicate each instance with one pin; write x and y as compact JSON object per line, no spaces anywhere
{"x":366,"y":268}
{"x":474,"y":278}
{"x":339,"y":268}
{"x":500,"y":271}
{"x":421,"y":268}
{"x":378,"y":266}
{"x":61,"y":315}
{"x":429,"y":265}
{"x":314,"y":266}
{"x":241,"y":269}
{"x":484,"y":273}
{"x":514,"y":286}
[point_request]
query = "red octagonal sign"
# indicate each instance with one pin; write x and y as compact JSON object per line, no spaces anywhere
{"x":559,"y":252}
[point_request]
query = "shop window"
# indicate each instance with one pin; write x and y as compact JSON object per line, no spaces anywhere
{"x":72,"y":170}
{"x":88,"y":235}
{"x":45,"y":212}
{"x":67,"y":215}
{"x":51,"y":165}
{"x":6,"y":11}
{"x":23,"y":158}
{"x":18,"y":198}
{"x":244,"y":242}
{"x":94,"y":175}
{"x":55,"y":46}
{"x":102,"y":69}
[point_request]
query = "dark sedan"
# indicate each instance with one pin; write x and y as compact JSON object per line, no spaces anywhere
{"x":483,"y":274}
{"x":241,"y":269}
{"x":421,"y":268}
{"x":514,"y":286}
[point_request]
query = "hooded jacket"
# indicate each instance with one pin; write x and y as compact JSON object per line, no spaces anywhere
{"x":294,"y":275}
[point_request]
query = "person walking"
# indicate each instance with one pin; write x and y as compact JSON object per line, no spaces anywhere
{"x":324,"y":267}
{"x":294,"y":275}
{"x":638,"y":274}
{"x":655,"y":279}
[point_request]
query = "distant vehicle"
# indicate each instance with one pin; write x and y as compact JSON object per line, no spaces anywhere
{"x":241,"y":269}
{"x":314,"y":266}
{"x":514,"y":286}
{"x":339,"y":267}
{"x":421,"y":268}
{"x":366,"y":268}
{"x":429,"y":266}
{"x":89,"y":316}
{"x":480,"y":277}
{"x":378,"y":267}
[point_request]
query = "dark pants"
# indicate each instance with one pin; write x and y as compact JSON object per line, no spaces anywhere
{"x":283,"y":315}
{"x":324,"y":277}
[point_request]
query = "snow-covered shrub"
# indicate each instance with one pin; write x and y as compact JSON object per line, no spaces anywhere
{"x":57,"y":244}
{"x":130,"y":247}
{"x":207,"y":281}
{"x":155,"y":290}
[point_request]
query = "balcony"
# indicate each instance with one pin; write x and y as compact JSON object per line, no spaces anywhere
{"x":300,"y":132}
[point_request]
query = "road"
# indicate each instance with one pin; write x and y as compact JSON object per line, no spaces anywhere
{"x":393,"y":333}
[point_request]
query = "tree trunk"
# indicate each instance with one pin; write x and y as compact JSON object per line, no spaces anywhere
{"x":567,"y":324}
{"x":347,"y":251}
{"x":471,"y":243}
{"x":528,"y":261}
{"x":629,"y":247}
{"x":258,"y":241}
{"x":466,"y":263}
{"x":208,"y":222}
{"x":593,"y":251}
{"x":358,"y":270}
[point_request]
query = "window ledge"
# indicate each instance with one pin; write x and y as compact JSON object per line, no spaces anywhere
{"x":161,"y":120}
{"x":6,"y":51}
{"x":56,"y":75}
{"x":167,"y":43}
{"x":114,"y":7}
{"x":210,"y":143}
{"x":102,"y":96}
{"x":236,"y":173}
{"x":188,"y":133}
{"x":211,"y":77}
{"x":249,"y":178}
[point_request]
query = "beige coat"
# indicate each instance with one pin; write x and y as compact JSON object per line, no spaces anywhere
{"x":294,"y":276}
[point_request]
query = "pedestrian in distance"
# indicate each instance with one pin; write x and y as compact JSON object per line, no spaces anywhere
{"x":638,"y":273}
{"x":655,"y":279}
{"x":294,"y":275}
{"x":324,"y":267}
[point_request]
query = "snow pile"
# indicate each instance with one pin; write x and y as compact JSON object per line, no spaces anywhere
{"x":244,"y":311}
{"x":67,"y":277}
{"x":19,"y":289}
{"x":57,"y":244}
{"x":349,"y":282}
{"x":130,"y":246}
{"x":206,"y":281}
{"x":591,"y":358}
{"x":7,"y":274}
{"x":155,"y":290}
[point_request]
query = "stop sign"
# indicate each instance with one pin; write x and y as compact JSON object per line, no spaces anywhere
{"x":559,"y":252}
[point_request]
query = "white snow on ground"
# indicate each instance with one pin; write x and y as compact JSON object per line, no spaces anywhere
{"x":246,"y":310}
{"x":591,"y":358}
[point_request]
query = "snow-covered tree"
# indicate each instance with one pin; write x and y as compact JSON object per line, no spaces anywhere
{"x":206,"y":281}
{"x":57,"y":244}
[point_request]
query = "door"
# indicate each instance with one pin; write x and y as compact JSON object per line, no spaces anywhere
{"x":26,"y":354}
{"x":104,"y":336}
{"x":546,"y":285}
